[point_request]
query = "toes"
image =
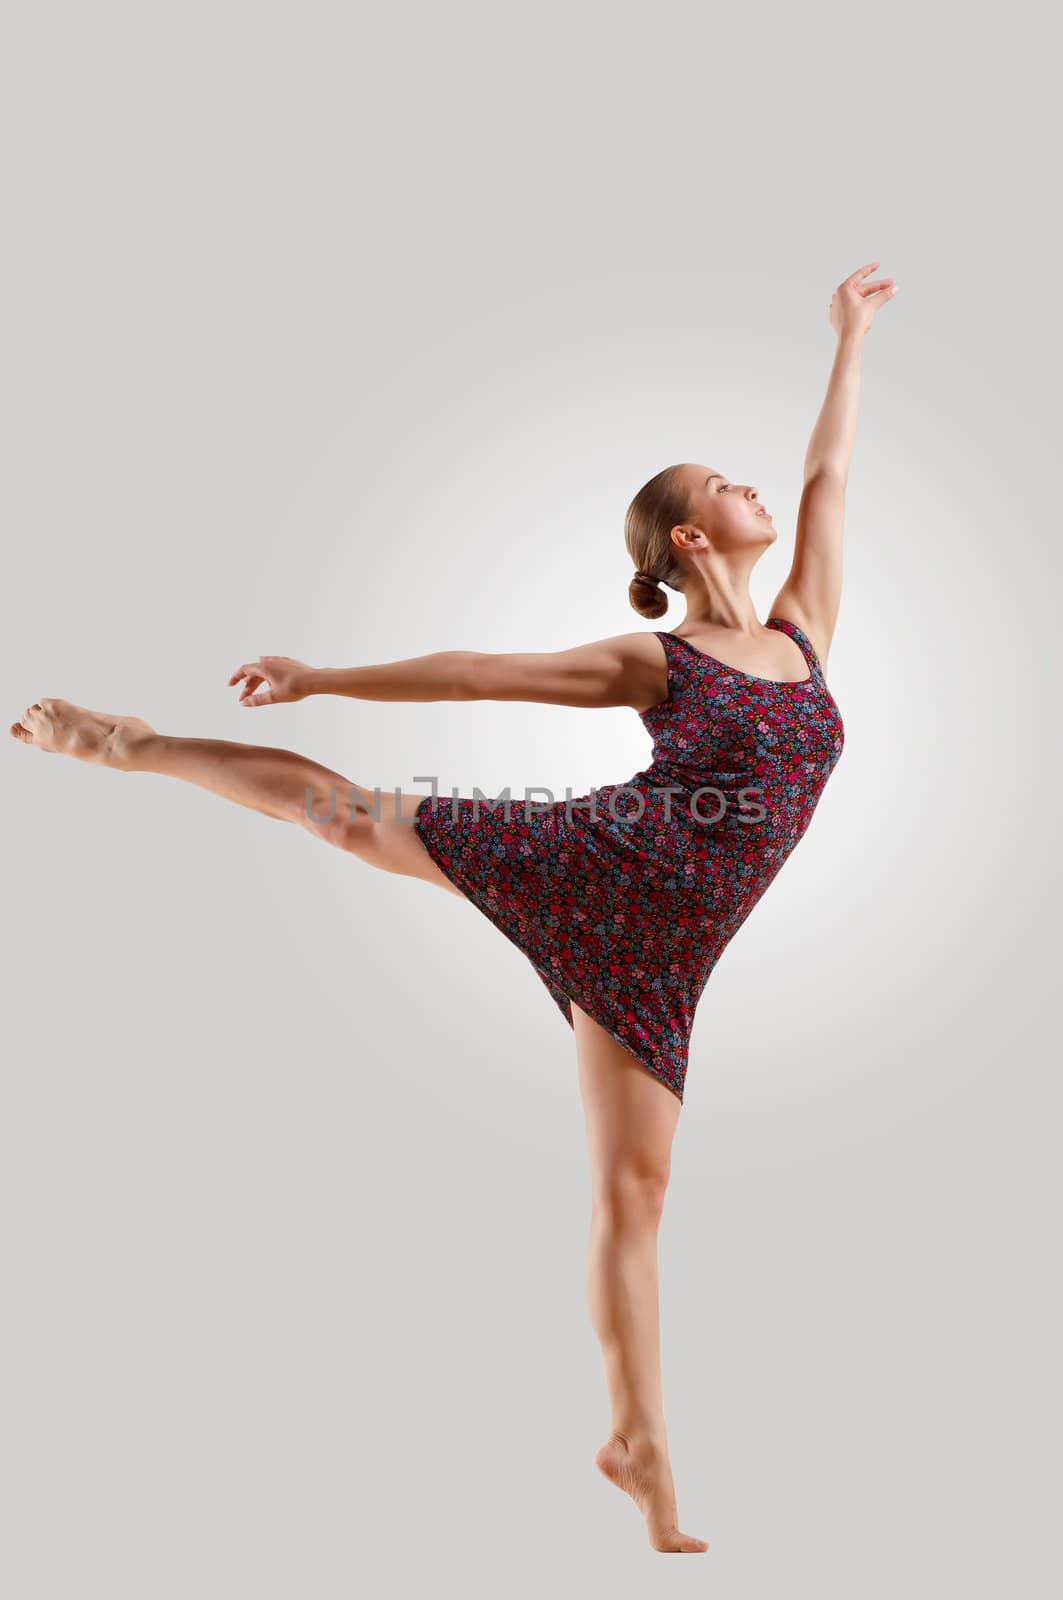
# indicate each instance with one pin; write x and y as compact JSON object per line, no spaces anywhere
{"x":688,"y":1542}
{"x":683,"y":1546}
{"x":674,"y":1542}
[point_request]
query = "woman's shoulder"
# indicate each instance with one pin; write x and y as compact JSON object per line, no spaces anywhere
{"x":797,"y":617}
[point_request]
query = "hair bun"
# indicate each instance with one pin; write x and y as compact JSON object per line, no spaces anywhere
{"x":645,"y":577}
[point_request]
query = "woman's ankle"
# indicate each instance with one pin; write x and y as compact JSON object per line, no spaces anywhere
{"x":130,"y":748}
{"x":645,"y":1439}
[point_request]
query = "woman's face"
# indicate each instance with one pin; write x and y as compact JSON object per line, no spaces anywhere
{"x":730,"y":514}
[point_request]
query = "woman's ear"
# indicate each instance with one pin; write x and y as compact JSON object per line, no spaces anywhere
{"x":686,"y":537}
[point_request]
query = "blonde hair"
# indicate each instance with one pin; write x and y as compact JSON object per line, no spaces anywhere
{"x":651,"y":516}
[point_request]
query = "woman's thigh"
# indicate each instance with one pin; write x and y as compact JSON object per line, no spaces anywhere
{"x":631,"y":1116}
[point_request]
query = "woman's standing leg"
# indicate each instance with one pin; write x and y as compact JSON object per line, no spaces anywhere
{"x":631,"y":1120}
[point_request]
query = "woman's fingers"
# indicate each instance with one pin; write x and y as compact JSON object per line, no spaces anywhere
{"x":252,"y":694}
{"x":254,"y":679}
{"x":274,"y":672}
{"x":862,"y":272}
{"x":873,"y":302}
{"x":264,"y":697}
{"x":250,"y":676}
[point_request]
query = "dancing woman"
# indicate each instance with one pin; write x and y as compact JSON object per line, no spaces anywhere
{"x":623,"y":900}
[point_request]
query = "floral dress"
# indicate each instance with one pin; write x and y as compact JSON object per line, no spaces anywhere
{"x":625,"y":899}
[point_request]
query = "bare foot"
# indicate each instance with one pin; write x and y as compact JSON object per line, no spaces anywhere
{"x":641,"y":1469}
{"x":64,"y":729}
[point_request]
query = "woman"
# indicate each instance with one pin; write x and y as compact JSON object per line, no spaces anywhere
{"x":625,"y":899}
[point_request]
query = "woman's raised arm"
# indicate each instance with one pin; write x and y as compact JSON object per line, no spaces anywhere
{"x":811,"y":594}
{"x":626,"y":670}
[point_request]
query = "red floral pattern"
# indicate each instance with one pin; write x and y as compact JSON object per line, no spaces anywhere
{"x":624,"y":900}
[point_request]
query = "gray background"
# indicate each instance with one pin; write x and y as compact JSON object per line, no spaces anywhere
{"x":350,"y":339}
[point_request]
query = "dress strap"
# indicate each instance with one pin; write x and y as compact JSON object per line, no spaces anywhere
{"x":677,"y":660}
{"x":804,"y":643}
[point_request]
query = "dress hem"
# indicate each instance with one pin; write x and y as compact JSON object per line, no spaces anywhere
{"x":592,"y":1010}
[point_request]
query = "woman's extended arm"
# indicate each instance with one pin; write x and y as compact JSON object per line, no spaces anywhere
{"x":813,"y":586}
{"x":626,"y":670}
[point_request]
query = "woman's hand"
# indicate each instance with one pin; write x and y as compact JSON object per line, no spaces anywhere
{"x":285,"y":680}
{"x":853,"y":306}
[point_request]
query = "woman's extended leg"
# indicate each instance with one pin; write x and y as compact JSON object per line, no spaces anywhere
{"x":631,"y":1120}
{"x":277,"y":782}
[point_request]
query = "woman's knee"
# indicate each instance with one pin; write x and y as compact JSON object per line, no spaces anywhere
{"x":390,"y":844}
{"x":631,"y":1193}
{"x":344,"y":830}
